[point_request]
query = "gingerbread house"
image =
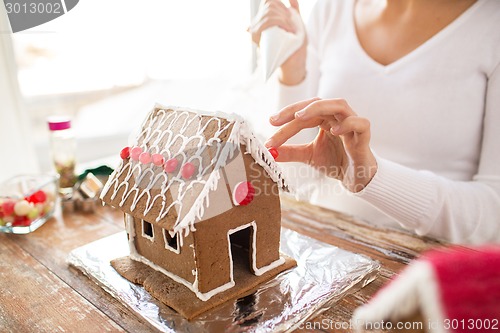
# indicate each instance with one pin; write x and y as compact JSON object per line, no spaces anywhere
{"x":200,"y":195}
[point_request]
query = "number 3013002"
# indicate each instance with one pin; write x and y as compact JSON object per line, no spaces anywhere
{"x":472,"y":324}
{"x":33,"y":8}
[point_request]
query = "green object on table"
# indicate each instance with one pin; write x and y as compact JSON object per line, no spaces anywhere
{"x":102,"y":170}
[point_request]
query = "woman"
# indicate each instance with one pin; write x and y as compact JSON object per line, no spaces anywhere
{"x":408,"y":110}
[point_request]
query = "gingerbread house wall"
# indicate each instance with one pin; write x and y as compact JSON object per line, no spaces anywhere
{"x":181,"y":263}
{"x":262,"y":215}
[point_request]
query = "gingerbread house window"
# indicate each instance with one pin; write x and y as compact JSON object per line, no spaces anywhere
{"x":171,"y":242}
{"x":147,"y":230}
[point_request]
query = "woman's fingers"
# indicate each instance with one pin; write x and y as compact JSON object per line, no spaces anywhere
{"x":295,"y":153}
{"x":353,"y":124}
{"x":295,"y":4}
{"x":271,"y":13}
{"x":337,"y":108}
{"x":272,"y":21}
{"x":288,"y":130}
{"x":287,"y":114}
{"x":315,"y":107}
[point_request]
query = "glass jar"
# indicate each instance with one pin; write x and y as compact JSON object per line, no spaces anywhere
{"x":63,"y":151}
{"x":27,"y":202}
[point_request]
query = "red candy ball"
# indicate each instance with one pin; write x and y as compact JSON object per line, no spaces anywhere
{"x":21,"y":221}
{"x":274,"y":152}
{"x":37,"y":197}
{"x":171,"y":165}
{"x":187,"y":170}
{"x":8,"y":207}
{"x":125,"y":153}
{"x":145,"y":158}
{"x":158,"y":159}
{"x":135,"y":153}
{"x":243,"y":193}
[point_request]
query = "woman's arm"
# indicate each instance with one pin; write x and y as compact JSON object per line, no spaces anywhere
{"x":305,"y":64}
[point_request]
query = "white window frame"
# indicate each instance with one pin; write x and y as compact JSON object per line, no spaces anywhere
{"x":151,"y":238}
{"x":168,"y":247}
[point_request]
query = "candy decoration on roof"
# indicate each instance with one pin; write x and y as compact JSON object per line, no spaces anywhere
{"x":158,"y":159}
{"x":145,"y":158}
{"x":125,"y":153}
{"x":274,"y":152}
{"x":187,"y":170}
{"x":184,"y":135}
{"x":243,"y":193}
{"x":171,"y":165}
{"x":135,"y":153}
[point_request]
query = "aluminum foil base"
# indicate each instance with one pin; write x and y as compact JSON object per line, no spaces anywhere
{"x":324,"y":274}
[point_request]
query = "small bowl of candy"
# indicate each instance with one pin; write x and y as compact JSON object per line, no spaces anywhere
{"x":27,"y":202}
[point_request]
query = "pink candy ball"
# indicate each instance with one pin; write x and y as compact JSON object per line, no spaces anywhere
{"x":145,"y":158}
{"x":171,"y":165}
{"x":158,"y":159}
{"x":135,"y":153}
{"x":187,"y":170}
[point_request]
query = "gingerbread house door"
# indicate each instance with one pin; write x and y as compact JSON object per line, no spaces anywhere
{"x":241,"y":243}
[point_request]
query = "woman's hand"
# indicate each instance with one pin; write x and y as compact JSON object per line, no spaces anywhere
{"x":275,"y":13}
{"x":341,"y":149}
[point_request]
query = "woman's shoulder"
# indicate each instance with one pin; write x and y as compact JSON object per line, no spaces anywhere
{"x":481,"y":31}
{"x":487,"y":12}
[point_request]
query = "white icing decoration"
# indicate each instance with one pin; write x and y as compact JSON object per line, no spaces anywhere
{"x":168,"y":247}
{"x":152,"y":132}
{"x":151,"y":238}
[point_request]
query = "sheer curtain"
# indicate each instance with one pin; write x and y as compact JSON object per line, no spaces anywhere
{"x":17,"y":154}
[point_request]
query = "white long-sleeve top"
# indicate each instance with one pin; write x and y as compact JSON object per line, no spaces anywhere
{"x":435,"y":122}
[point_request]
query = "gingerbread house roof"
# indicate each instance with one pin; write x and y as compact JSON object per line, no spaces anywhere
{"x":176,"y":196}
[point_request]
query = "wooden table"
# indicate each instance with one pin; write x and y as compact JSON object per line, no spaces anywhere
{"x":41,"y":293}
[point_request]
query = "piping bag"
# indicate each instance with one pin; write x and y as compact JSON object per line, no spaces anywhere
{"x":277,"y":45}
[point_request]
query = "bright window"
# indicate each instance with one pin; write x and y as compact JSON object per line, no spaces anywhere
{"x":106,"y":61}
{"x":114,"y":43}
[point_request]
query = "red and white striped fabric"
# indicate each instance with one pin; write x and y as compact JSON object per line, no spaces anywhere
{"x":455,"y":289}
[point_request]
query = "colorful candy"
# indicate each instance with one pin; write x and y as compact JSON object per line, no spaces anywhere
{"x":21,"y":221}
{"x":243,"y":194}
{"x":37,"y":197}
{"x":125,"y":153}
{"x":145,"y":158}
{"x":171,"y":165}
{"x":135,"y":153}
{"x":187,"y":170}
{"x":22,"y":208}
{"x":8,"y":207}
{"x":158,"y":159}
{"x":21,"y":212}
{"x":33,"y":213}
